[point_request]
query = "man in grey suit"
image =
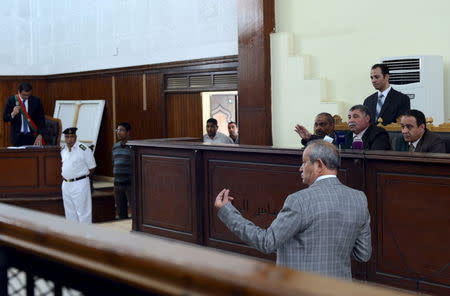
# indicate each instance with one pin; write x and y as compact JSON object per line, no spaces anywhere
{"x":319,"y":229}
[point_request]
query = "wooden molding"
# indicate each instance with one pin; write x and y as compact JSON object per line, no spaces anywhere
{"x":256,"y":20}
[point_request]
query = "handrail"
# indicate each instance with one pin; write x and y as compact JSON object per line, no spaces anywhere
{"x":156,"y":265}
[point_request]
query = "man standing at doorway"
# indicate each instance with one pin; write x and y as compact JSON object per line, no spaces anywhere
{"x":213,"y":136}
{"x":78,"y":164}
{"x":233,"y":130}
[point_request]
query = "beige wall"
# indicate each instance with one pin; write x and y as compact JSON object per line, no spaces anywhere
{"x":343,"y":39}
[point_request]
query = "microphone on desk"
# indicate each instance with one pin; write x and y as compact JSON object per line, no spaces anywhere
{"x":340,"y":139}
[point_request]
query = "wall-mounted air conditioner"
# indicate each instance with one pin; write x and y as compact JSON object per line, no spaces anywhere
{"x":422,"y":79}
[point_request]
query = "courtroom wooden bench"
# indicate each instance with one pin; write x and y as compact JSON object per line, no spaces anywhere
{"x":58,"y":255}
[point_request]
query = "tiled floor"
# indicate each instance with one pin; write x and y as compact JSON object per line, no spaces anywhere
{"x":120,"y":225}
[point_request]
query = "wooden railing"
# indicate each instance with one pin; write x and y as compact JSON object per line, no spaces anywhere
{"x":41,"y":252}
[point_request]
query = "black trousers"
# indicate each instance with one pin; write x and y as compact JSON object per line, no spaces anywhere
{"x":24,"y":139}
{"x":123,"y":196}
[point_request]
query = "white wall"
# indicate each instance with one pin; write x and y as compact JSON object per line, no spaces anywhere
{"x":345,"y":38}
{"x":60,"y":36}
{"x":15,"y":31}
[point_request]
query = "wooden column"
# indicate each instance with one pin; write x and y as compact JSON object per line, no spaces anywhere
{"x":256,"y":20}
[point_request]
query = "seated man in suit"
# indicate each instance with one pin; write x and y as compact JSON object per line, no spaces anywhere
{"x":319,"y":228}
{"x":386,"y":103}
{"x":213,"y":136}
{"x":323,"y":129}
{"x":415,"y":136}
{"x":363,"y":134}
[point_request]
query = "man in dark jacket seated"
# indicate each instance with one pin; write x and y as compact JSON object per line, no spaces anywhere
{"x":415,"y":136}
{"x":363,"y":134}
{"x":323,"y":129}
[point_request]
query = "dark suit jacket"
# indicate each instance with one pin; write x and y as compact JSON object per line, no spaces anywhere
{"x":316,"y":137}
{"x":430,"y":142}
{"x":375,"y":138}
{"x":395,"y":104}
{"x":35,"y":111}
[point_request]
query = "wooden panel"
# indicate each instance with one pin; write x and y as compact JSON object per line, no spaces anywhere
{"x":129,"y":103}
{"x":256,"y":20}
{"x":169,"y":196}
{"x":19,"y":171}
{"x":103,"y":206}
{"x":184,"y":115}
{"x":403,"y":237}
{"x":30,"y":172}
{"x":409,"y":204}
{"x":52,"y":172}
{"x":260,"y":187}
{"x":156,"y":110}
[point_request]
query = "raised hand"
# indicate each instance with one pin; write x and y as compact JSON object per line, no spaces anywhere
{"x":302,"y":132}
{"x":223,"y":198}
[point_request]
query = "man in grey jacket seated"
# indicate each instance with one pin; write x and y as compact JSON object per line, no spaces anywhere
{"x":213,"y":136}
{"x":415,"y":136}
{"x":320,"y":228}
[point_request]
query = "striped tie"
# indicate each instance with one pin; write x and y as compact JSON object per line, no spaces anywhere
{"x":411,"y":147}
{"x":379,"y":105}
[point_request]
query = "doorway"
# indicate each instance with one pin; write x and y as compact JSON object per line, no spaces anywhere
{"x":222,"y":106}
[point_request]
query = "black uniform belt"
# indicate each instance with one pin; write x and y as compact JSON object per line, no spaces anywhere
{"x":75,"y":179}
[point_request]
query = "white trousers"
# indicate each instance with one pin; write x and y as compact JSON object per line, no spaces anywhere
{"x":77,"y":200}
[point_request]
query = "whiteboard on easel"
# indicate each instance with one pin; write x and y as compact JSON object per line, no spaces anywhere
{"x":86,"y":115}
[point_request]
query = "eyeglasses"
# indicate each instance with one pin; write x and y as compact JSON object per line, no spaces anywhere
{"x":119,"y":130}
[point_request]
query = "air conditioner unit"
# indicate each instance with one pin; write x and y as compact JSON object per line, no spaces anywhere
{"x":422,"y":79}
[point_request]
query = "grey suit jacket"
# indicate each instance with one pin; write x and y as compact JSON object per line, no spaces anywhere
{"x":318,"y":229}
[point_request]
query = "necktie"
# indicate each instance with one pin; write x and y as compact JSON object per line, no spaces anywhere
{"x":411,"y":147}
{"x":357,"y":143}
{"x":24,"y":120}
{"x":379,"y":105}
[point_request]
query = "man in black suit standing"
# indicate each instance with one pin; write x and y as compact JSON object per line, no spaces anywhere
{"x":386,"y":103}
{"x":26,"y":115}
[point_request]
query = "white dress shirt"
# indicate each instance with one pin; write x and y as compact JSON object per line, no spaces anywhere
{"x":77,"y":162}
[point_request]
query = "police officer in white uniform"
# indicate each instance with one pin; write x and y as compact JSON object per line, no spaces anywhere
{"x":78,"y":164}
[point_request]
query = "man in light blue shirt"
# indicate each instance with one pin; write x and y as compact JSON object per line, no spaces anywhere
{"x":213,"y":136}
